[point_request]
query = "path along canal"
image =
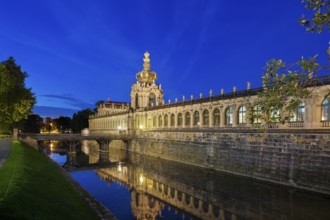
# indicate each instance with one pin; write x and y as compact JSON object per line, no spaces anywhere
{"x":133,"y":186}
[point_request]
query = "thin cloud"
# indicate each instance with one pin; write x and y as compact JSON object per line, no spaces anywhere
{"x":69,"y":100}
{"x":53,"y":112}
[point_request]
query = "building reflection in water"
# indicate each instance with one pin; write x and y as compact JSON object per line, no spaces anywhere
{"x":196,"y":192}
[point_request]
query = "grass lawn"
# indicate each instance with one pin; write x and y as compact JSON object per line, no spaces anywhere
{"x":4,"y":135}
{"x":31,"y":187}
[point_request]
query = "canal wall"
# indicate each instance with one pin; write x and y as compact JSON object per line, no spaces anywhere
{"x":298,"y":158}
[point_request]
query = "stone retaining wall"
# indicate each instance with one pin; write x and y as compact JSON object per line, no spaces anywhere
{"x":298,"y":159}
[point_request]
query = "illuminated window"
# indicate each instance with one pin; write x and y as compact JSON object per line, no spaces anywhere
{"x":298,"y":114}
{"x":229,"y":116}
{"x":256,"y":114}
{"x":196,"y":118}
{"x":216,"y":116}
{"x":326,"y":109}
{"x":242,"y":115}
{"x":275,"y":115}
{"x":206,"y":119}
{"x":136,"y":100}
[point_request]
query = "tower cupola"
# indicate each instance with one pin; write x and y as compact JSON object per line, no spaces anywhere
{"x":145,"y":92}
{"x":146,"y":75}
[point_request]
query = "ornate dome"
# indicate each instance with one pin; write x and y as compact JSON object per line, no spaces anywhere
{"x":146,"y":75}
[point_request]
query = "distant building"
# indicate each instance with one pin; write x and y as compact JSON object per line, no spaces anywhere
{"x":148,"y":111}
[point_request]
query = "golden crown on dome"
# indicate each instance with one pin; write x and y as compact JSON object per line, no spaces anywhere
{"x":146,"y":75}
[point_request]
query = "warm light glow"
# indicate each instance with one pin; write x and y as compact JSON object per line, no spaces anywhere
{"x":141,"y":179}
{"x":51,"y":145}
{"x":119,"y":127}
{"x":141,"y":126}
{"x":119,"y":168}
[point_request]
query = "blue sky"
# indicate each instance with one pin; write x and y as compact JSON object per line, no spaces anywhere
{"x":77,"y":52}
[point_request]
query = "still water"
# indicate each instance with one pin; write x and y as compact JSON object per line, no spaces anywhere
{"x":133,"y":186}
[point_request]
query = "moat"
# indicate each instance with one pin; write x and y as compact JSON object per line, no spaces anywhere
{"x":134,"y":186}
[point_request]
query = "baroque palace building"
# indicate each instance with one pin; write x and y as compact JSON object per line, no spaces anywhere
{"x":148,"y":111}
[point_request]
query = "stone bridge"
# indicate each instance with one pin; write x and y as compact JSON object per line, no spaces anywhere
{"x":76,"y":137}
{"x":72,"y":140}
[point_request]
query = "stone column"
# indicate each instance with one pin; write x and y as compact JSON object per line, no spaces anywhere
{"x":183,"y":119}
{"x":248,"y":121}
{"x":222,"y":117}
{"x":211,"y":118}
{"x":310,"y":112}
{"x":235,"y":116}
{"x":200,"y":118}
{"x":176,"y":120}
{"x":15,"y":133}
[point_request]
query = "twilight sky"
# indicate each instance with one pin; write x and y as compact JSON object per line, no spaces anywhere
{"x":77,"y":52}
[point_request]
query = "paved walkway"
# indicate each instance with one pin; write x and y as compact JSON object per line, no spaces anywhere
{"x":5,"y":144}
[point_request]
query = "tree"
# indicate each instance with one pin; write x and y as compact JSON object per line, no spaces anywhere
{"x":16,"y":101}
{"x":48,"y":124}
{"x":321,"y":17}
{"x":32,"y":124}
{"x":80,"y":120}
{"x":285,"y":85}
{"x":62,"y":123}
{"x":97,"y":104}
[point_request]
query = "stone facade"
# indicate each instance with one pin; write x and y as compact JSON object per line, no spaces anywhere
{"x":148,"y":111}
{"x":215,"y":132}
{"x":299,"y":159}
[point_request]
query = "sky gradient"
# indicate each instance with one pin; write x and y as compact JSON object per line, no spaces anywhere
{"x":79,"y":52}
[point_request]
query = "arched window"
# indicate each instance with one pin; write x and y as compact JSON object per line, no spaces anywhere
{"x":179,"y":119}
{"x":229,"y":116}
{"x":187,"y":119}
{"x":196,"y":118}
{"x":160,"y":121}
{"x":136,"y":100}
{"x":274,"y":115}
{"x":154,"y":121}
{"x":166,"y":120}
{"x":326,"y":109}
{"x":216,"y":116}
{"x":172,"y":120}
{"x":298,"y":114}
{"x":242,"y":115}
{"x":206,"y":120}
{"x":152,"y":100}
{"x":256,"y":114}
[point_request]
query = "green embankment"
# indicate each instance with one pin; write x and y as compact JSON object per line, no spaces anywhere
{"x":32,"y":187}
